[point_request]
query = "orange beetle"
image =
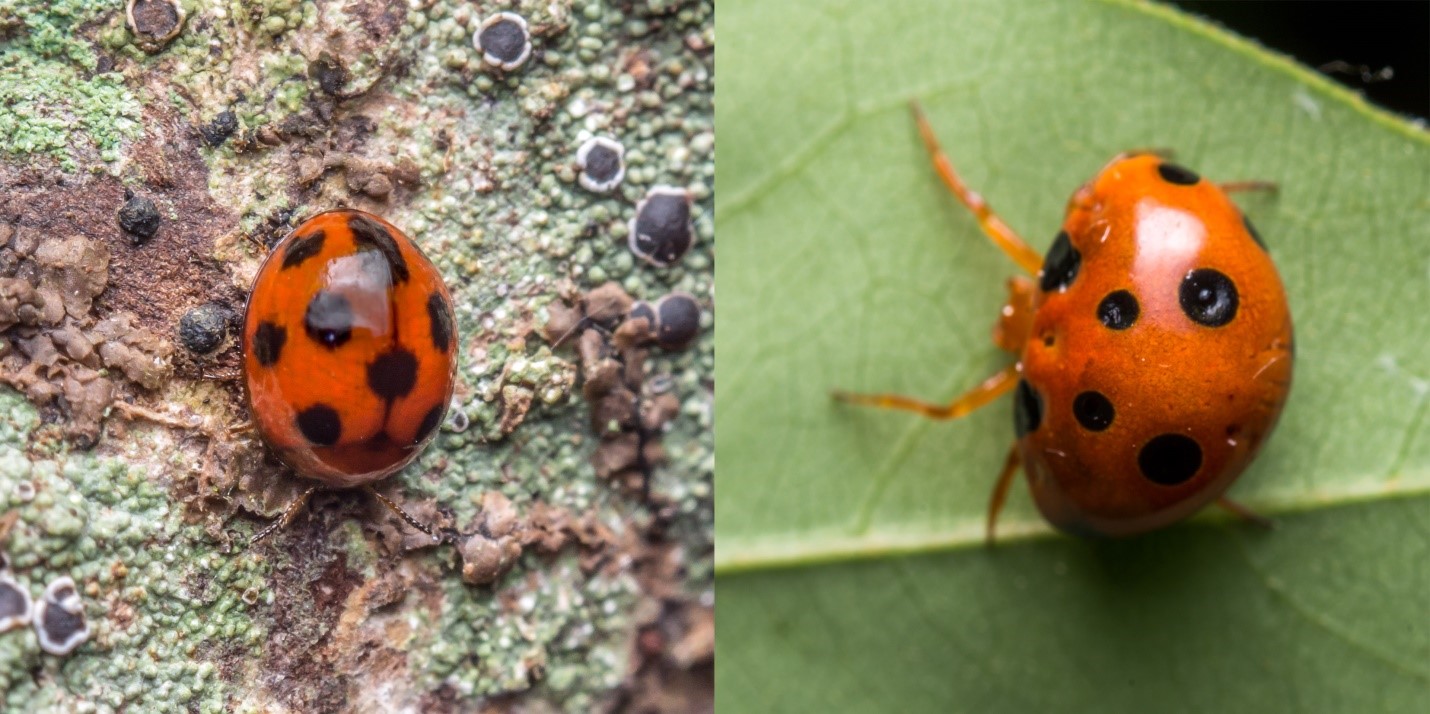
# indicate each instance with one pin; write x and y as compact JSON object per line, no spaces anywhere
{"x":1154,"y":349}
{"x":349,"y":351}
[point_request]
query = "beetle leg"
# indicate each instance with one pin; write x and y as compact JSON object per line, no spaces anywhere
{"x":991,"y":388}
{"x":1000,"y":492}
{"x":997,"y":230}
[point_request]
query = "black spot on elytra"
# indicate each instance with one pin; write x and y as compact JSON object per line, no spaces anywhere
{"x":439,"y":314}
{"x":1093,"y":411}
{"x":1027,"y":409}
{"x":320,"y":425}
{"x":1119,"y":310}
{"x":393,"y":374}
{"x":1061,"y":264}
{"x":1169,"y":459}
{"x":377,"y":442}
{"x":369,"y":234}
{"x":1208,"y":297}
{"x":1177,"y":174}
{"x":503,"y":39}
{"x":268,"y":342}
{"x":1255,"y":234}
{"x":303,"y":248}
{"x":429,"y":424}
{"x":329,"y":319}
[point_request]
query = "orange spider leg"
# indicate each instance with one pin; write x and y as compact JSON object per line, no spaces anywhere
{"x":1253,"y":185}
{"x":990,"y":389}
{"x":997,"y":230}
{"x":1000,"y":492}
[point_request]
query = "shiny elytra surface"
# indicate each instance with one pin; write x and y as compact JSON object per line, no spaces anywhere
{"x":1220,"y":386}
{"x":349,"y":349}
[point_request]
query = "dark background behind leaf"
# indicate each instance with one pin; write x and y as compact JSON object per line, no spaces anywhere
{"x":1370,"y":34}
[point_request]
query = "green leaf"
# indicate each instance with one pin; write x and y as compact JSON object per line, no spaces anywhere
{"x":851,"y":569}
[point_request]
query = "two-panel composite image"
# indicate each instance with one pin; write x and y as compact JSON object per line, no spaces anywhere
{"x":361,"y":356}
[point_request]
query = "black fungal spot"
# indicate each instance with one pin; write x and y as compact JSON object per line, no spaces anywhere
{"x":320,"y":425}
{"x":642,"y":308}
{"x":602,"y":163}
{"x":1093,"y":411}
{"x":440,"y":317}
{"x":1061,"y":264}
{"x":373,"y":235}
{"x":303,"y":248}
{"x":504,"y":39}
{"x":661,"y":232}
{"x":1208,"y":297}
{"x":429,"y":424}
{"x":329,"y":319}
{"x":268,"y":342}
{"x":1169,"y":459}
{"x":1119,"y":310}
{"x":1255,"y":234}
{"x":1027,"y":409}
{"x":139,"y":217}
{"x":329,"y":73}
{"x":678,"y":320}
{"x":1177,"y":174}
{"x":61,"y":625}
{"x":14,"y":602}
{"x":202,"y":329}
{"x":223,"y":126}
{"x":392,"y":374}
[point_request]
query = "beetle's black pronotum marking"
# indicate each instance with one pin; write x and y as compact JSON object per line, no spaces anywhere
{"x":1061,"y":264}
{"x":1027,"y":409}
{"x":1177,"y":174}
{"x":1255,"y":234}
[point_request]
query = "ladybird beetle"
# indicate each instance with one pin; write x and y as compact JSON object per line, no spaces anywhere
{"x":1154,"y":348}
{"x":349,"y":351}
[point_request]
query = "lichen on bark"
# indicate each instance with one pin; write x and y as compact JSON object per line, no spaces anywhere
{"x":566,"y":591}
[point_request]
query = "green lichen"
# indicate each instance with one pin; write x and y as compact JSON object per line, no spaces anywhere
{"x":163,"y":601}
{"x":565,"y":633}
{"x":51,"y":98}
